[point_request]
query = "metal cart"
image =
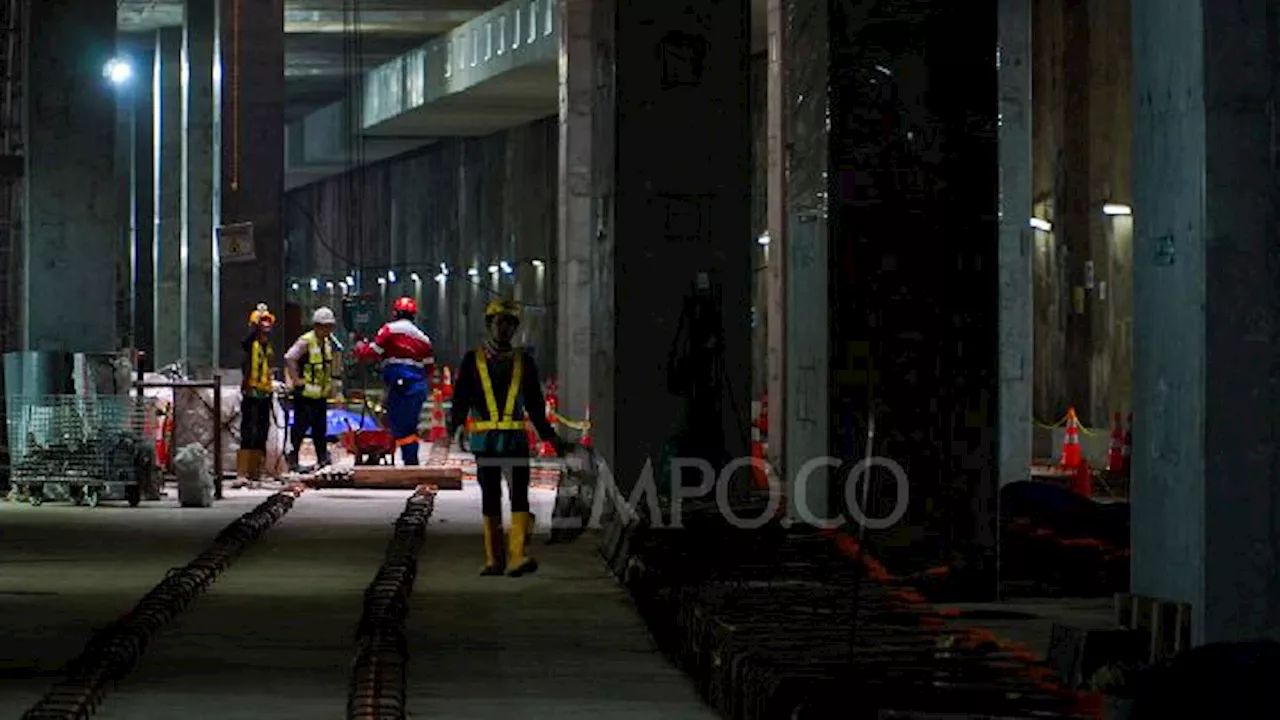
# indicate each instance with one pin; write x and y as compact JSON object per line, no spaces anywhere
{"x":82,"y":449}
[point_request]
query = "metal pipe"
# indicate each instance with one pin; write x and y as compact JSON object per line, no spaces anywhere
{"x":176,"y":384}
{"x":217,"y":435}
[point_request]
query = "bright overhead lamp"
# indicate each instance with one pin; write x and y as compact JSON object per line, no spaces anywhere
{"x":1040,"y":224}
{"x":1115,"y":209}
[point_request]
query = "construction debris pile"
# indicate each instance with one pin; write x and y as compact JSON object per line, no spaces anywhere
{"x":781,"y":623}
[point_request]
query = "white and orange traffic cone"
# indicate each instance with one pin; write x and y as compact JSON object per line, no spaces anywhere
{"x":1071,"y":456}
{"x":437,"y":433}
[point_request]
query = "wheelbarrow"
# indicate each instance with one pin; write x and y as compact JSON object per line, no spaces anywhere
{"x":370,"y":447}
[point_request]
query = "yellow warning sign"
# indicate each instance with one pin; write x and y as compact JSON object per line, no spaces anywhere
{"x":235,"y":243}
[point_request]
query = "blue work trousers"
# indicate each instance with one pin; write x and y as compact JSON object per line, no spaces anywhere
{"x":406,"y":394}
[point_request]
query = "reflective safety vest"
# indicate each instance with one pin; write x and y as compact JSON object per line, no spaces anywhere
{"x":508,"y":420}
{"x":260,"y":368}
{"x":317,"y":372}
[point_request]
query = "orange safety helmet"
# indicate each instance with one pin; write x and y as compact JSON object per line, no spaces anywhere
{"x":405,"y":304}
{"x":261,"y":316}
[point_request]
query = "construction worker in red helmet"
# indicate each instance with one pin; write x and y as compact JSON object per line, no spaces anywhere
{"x":257,"y":399}
{"x":407,"y":364}
{"x":498,"y":386}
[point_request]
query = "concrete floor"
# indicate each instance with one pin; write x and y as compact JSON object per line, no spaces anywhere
{"x":274,"y":636}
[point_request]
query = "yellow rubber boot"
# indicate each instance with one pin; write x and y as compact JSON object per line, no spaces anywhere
{"x":494,"y":551}
{"x":518,"y":540}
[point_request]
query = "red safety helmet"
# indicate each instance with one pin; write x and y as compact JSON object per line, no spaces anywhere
{"x":406,"y":305}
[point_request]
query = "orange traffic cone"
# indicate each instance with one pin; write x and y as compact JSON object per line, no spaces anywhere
{"x":437,"y":432}
{"x":586,"y":440}
{"x":1115,"y":453}
{"x":1071,"y":457}
{"x":1126,"y":447}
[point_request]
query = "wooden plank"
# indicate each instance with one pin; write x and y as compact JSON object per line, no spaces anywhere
{"x":390,"y":478}
{"x":443,"y":478}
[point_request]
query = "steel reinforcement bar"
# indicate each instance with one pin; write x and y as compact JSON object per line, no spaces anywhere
{"x":378,"y":675}
{"x":119,"y":647}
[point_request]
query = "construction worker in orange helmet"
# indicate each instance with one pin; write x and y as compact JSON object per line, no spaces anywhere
{"x":498,"y":385}
{"x":407,"y":363}
{"x":257,"y":395}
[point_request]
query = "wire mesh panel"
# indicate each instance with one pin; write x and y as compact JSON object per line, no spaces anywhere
{"x":80,"y":445}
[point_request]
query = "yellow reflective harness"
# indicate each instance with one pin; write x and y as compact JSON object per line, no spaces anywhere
{"x":506,"y":421}
{"x":260,"y":368}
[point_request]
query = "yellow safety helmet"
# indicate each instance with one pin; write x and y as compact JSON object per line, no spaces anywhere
{"x":502,"y":306}
{"x":261,"y":315}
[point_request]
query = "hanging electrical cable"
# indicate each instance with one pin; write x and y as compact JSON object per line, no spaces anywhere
{"x":235,"y":95}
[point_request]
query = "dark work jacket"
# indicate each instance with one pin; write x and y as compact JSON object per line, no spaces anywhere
{"x":468,"y":396}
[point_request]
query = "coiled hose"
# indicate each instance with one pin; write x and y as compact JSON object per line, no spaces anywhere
{"x":378,"y":675}
{"x":119,"y":647}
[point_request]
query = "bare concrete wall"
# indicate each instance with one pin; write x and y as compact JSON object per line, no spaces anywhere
{"x":465,"y":202}
{"x":1082,"y":267}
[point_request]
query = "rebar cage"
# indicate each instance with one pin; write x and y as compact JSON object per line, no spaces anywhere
{"x":80,"y":443}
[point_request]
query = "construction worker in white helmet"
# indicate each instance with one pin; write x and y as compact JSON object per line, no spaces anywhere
{"x":498,"y":386}
{"x":257,"y":395}
{"x":311,"y":366}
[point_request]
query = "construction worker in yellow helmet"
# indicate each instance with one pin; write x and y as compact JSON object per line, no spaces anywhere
{"x":257,"y":395}
{"x":499,"y":387}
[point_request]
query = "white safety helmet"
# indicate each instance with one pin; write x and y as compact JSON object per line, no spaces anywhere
{"x":323,"y":316}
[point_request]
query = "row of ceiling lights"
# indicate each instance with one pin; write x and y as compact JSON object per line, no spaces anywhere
{"x":390,"y":278}
{"x":1109,"y":209}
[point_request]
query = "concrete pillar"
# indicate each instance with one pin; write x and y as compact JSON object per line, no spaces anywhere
{"x":803,"y":256}
{"x":167,"y":184}
{"x":675,"y":203}
{"x":577,"y":226}
{"x":1016,"y":314}
{"x":906,"y":228}
{"x":134,"y":150}
{"x":252,"y":160}
{"x":72,"y":216}
{"x":200,"y":185}
{"x":1206,"y":315}
{"x":777,"y":112}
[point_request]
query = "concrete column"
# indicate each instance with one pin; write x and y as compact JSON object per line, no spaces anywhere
{"x":676,"y":203}
{"x":134,"y":167}
{"x":1206,"y":314}
{"x":577,"y":226}
{"x":803,"y":255}
{"x":777,"y":101}
{"x":72,"y":216}
{"x":252,"y":160}
{"x":913,"y":242}
{"x":200,"y":185}
{"x":167,"y":184}
{"x":1016,"y":314}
